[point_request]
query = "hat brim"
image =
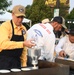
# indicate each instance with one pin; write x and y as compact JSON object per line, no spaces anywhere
{"x":64,"y":26}
{"x":20,"y":15}
{"x":71,"y":32}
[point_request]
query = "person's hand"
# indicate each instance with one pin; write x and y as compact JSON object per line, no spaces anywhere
{"x":62,"y":53}
{"x":29,"y":43}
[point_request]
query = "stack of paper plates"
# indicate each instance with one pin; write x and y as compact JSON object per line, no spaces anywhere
{"x":15,"y":70}
{"x":25,"y":69}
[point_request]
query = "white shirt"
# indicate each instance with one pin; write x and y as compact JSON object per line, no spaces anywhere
{"x":45,"y":39}
{"x":66,"y":45}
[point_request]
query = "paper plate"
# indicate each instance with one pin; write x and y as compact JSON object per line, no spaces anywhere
{"x":15,"y":70}
{"x":25,"y":69}
{"x":4,"y":71}
{"x":70,"y":59}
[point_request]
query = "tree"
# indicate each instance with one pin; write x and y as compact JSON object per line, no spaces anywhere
{"x":70,"y":17}
{"x":4,"y":4}
{"x":38,"y":11}
{"x":64,"y":10}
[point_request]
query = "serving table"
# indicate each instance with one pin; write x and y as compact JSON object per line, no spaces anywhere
{"x":66,"y":61}
{"x":44,"y":68}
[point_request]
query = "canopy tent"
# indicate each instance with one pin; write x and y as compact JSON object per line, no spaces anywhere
{"x":8,"y":16}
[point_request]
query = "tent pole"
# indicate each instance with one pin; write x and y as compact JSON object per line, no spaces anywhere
{"x":30,"y":23}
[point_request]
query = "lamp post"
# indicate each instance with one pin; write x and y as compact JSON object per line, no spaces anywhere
{"x":58,"y":4}
{"x":56,"y":11}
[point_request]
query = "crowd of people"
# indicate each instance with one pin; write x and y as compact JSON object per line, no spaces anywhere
{"x":17,"y":43}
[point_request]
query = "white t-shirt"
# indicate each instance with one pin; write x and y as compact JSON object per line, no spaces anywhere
{"x":66,"y":45}
{"x":45,"y":39}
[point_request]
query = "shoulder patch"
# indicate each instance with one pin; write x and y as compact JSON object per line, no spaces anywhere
{"x":24,"y":32}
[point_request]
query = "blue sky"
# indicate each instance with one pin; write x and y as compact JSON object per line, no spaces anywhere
{"x":22,"y":2}
{"x":29,"y":2}
{"x":71,"y":4}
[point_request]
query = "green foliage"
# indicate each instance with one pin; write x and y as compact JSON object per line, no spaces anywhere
{"x":4,"y":4}
{"x":70,"y":17}
{"x":63,"y":10}
{"x":9,"y":11}
{"x":38,"y":11}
